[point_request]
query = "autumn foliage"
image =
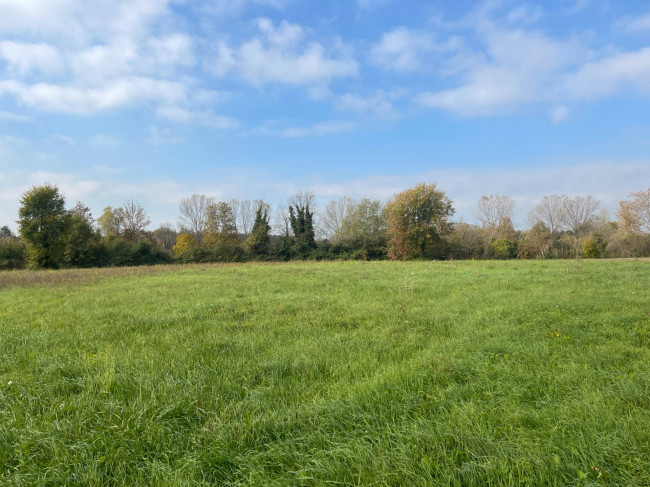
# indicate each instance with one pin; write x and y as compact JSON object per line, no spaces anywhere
{"x":415,"y":220}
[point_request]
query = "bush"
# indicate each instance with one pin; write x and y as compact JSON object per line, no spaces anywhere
{"x":592,"y":247}
{"x":503,"y":249}
{"x":122,"y":253}
{"x":12,"y":254}
{"x":218,"y":253}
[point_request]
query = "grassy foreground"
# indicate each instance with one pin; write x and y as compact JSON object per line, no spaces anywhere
{"x":423,"y":373}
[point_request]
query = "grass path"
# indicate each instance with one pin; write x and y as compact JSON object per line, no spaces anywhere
{"x":422,"y":373}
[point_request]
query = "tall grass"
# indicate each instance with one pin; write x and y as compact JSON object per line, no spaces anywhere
{"x":427,"y":373}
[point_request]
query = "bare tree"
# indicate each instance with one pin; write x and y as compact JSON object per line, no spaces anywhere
{"x":491,"y":210}
{"x":634,"y":215}
{"x":83,"y":211}
{"x":578,"y":211}
{"x":281,"y":221}
{"x":165,"y":236}
{"x":194,"y":214}
{"x":134,"y":219}
{"x":244,"y":211}
{"x":331,"y":221}
{"x":550,"y":212}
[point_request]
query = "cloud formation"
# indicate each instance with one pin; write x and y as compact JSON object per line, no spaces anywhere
{"x":278,"y":55}
{"x":517,"y":66}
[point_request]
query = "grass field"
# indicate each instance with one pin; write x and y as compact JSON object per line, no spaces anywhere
{"x":422,"y":373}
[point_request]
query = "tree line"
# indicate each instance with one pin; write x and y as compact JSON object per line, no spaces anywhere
{"x":414,"y":224}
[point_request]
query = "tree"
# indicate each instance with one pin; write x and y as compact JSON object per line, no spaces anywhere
{"x":134,"y":220}
{"x":83,"y":211}
{"x":333,"y":217}
{"x":244,"y":212}
{"x":42,"y":225}
{"x":301,"y":219}
{"x":578,"y":211}
{"x":5,"y":232}
{"x":193,"y":212}
{"x":111,"y":221}
{"x":12,"y":253}
{"x":258,"y":243}
{"x":592,"y":247}
{"x":364,"y":228}
{"x":467,"y":241}
{"x":221,"y":228}
{"x":503,"y":249}
{"x":415,"y":219}
{"x":537,"y":242}
{"x":506,"y":230}
{"x":302,"y":225}
{"x":184,"y":242}
{"x":165,"y":236}
{"x":634,"y":215}
{"x":78,"y":239}
{"x":491,"y":210}
{"x":550,"y":212}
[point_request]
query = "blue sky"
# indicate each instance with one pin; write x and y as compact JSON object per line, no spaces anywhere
{"x":154,"y":100}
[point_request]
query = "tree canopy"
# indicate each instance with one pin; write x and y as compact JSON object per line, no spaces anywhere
{"x":415,"y":219}
{"x":42,"y":221}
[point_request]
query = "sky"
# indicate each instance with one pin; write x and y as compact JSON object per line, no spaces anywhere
{"x":155,"y":100}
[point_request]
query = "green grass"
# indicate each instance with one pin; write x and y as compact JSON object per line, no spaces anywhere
{"x":423,"y":373}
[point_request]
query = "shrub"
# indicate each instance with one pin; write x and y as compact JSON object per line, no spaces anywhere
{"x":12,"y":254}
{"x":184,"y":242}
{"x":592,"y":247}
{"x":503,"y":249}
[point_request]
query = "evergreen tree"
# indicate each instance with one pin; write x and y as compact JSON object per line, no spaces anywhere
{"x":5,"y":232}
{"x":258,"y":242}
{"x":301,"y":220}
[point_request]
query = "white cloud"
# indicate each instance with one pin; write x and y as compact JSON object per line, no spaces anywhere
{"x":611,"y":75}
{"x":317,"y":130}
{"x":515,"y":67}
{"x":163,"y":136}
{"x":401,"y":49}
{"x":12,"y":140}
{"x":636,"y":24}
{"x":106,"y":55}
{"x":22,"y":59}
{"x":181,"y":115}
{"x":12,"y":117}
{"x":61,"y":139}
{"x":520,"y":68}
{"x":281,"y":59}
{"x":172,"y":50}
{"x":285,"y":34}
{"x":34,"y":15}
{"x":105,"y":141}
{"x":80,"y":21}
{"x":226,"y":8}
{"x":78,"y":100}
{"x":380,"y":103}
{"x":580,"y":5}
{"x":559,"y":114}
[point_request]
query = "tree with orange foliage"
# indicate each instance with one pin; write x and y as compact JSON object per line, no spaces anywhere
{"x":634,"y":216}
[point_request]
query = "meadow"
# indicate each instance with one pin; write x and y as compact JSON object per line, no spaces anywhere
{"x":346,"y":373}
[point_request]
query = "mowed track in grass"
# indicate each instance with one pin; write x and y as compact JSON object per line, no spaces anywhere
{"x":383,"y":373}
